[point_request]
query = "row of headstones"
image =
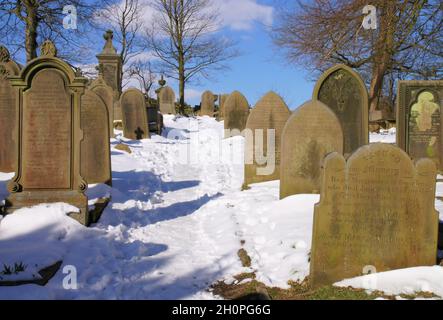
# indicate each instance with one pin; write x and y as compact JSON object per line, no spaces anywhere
{"x":377,"y":207}
{"x":55,"y":132}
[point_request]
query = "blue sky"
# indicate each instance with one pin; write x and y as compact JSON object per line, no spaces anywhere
{"x":261,"y":67}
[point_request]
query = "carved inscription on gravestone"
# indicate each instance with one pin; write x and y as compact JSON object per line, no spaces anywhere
{"x":376,"y":209}
{"x":419,"y":119}
{"x":47,"y":134}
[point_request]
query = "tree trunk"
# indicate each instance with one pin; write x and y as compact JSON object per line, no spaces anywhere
{"x":31,"y":32}
{"x":181,"y":76}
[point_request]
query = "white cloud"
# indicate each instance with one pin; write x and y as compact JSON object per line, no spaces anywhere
{"x":241,"y":14}
{"x":193,"y":94}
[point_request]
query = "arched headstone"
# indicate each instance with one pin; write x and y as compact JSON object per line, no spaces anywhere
{"x":236,"y":112}
{"x":95,"y":146}
{"x":345,"y":93}
{"x":135,"y":119}
{"x":105,"y":92}
{"x":265,"y":121}
{"x":376,"y":210}
{"x":207,"y":104}
{"x":166,"y":98}
{"x":7,"y":112}
{"x":49,"y":136}
{"x":221,"y":105}
{"x":309,"y":135}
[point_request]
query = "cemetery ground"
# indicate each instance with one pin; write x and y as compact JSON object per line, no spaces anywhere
{"x":178,"y":229}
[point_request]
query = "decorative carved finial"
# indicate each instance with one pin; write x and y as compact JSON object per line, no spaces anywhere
{"x":109,"y":47}
{"x":162,"y":81}
{"x":48,"y":49}
{"x":78,"y":72}
{"x":5,"y":56}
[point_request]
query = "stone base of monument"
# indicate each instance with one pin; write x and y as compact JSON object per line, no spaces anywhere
{"x":96,"y":213}
{"x":46,"y":274}
{"x":33,"y":198}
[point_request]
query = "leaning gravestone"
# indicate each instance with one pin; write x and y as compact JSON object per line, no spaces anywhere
{"x":309,"y":135}
{"x":7,"y":112}
{"x":345,"y":93}
{"x":419,"y":119}
{"x":49,"y":136}
{"x":376,"y":213}
{"x":95,"y":146}
{"x":265,"y":121}
{"x":105,"y":92}
{"x":166,"y":98}
{"x":236,"y":112}
{"x":135,"y":122}
{"x":207,"y":104}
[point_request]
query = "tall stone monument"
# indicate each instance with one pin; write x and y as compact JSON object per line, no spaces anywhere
{"x":135,"y":118}
{"x":7,"y":112}
{"x":419,"y":119}
{"x":309,"y":135}
{"x":345,"y":93}
{"x":111,"y":64}
{"x":48,"y":135}
{"x":376,"y":213}
{"x":236,"y":112}
{"x":263,"y":133}
{"x":95,"y":146}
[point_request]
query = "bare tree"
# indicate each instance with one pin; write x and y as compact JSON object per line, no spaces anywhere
{"x":143,"y":72}
{"x":124,"y":17}
{"x":183,"y":36}
{"x":26,"y":23}
{"x":406,"y":43}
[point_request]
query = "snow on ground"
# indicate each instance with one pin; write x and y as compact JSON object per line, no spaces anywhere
{"x":385,"y":136}
{"x":174,"y":226}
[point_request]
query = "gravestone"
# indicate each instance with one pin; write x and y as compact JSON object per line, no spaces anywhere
{"x":135,"y":119}
{"x":376,"y":213}
{"x":105,"y":92}
{"x":345,"y":93}
{"x":267,"y":119}
{"x":95,"y":146}
{"x":111,"y":65}
{"x":49,"y":135}
{"x":221,"y":105}
{"x":166,"y":98}
{"x":419,"y":119}
{"x":7,"y":112}
{"x":235,"y":114}
{"x":207,"y":104}
{"x":309,"y":135}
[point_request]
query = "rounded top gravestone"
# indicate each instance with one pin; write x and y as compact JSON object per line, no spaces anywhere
{"x":135,"y":119}
{"x":7,"y":112}
{"x":265,"y":121}
{"x":207,"y":104}
{"x":376,"y":209}
{"x":100,"y":87}
{"x":221,"y":105}
{"x":309,"y":135}
{"x":236,"y":111}
{"x":166,"y":98}
{"x":344,"y":92}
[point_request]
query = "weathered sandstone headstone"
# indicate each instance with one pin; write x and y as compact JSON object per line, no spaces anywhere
{"x":166,"y":98}
{"x":49,"y":135}
{"x":376,"y":213}
{"x":221,"y":105}
{"x":95,"y":146}
{"x":236,"y":112}
{"x":345,"y":93}
{"x":135,"y":119}
{"x":312,"y":132}
{"x":207,"y":104}
{"x":419,"y":119}
{"x":263,"y":139}
{"x":7,"y":112}
{"x":105,"y":92}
